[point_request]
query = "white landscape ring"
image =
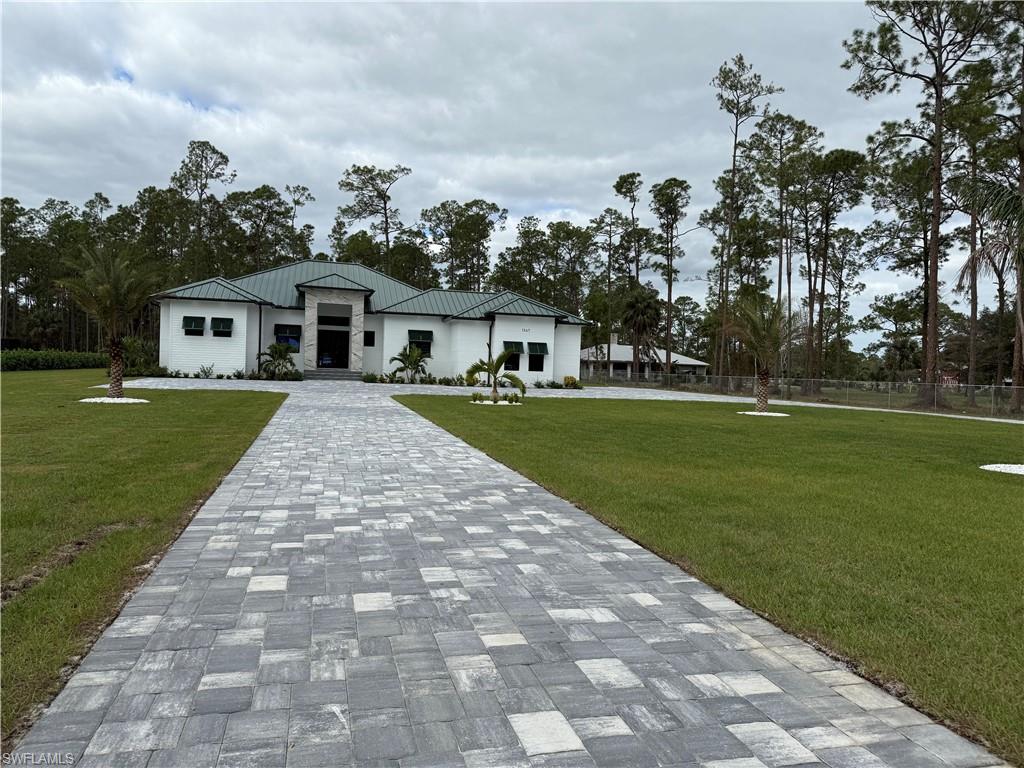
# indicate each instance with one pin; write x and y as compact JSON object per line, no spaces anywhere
{"x":1012,"y":469}
{"x":113,"y":400}
{"x":761,"y":413}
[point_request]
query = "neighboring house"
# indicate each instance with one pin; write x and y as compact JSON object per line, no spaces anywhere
{"x":341,"y":317}
{"x":594,"y":361}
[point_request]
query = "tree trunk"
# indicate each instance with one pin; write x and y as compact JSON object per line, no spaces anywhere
{"x":668,"y":314}
{"x":931,"y":352}
{"x":494,"y":389}
{"x":763,"y":380}
{"x":972,"y":340}
{"x":1018,"y":345}
{"x":116,"y":351}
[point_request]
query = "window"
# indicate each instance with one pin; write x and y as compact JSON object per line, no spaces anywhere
{"x":538,"y":351}
{"x":369,"y":338}
{"x":516,"y":348}
{"x":421,"y":339}
{"x":288,"y":334}
{"x":221,"y":326}
{"x":193,"y":326}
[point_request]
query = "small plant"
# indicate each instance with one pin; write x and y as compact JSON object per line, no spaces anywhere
{"x":238,"y":374}
{"x":472,"y":380}
{"x":390,"y":378}
{"x":460,"y":380}
{"x":220,"y":376}
{"x":429,"y":379}
{"x":476,"y":397}
{"x":411,"y":362}
{"x":512,"y":398}
{"x":555,"y":385}
{"x":539,"y":384}
{"x":205,"y":372}
{"x":571,"y":382}
{"x":253,"y":375}
{"x":277,"y":363}
{"x":369,"y":378}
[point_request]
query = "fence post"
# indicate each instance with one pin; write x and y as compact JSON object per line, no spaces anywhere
{"x":847,"y":391}
{"x":992,"y":392}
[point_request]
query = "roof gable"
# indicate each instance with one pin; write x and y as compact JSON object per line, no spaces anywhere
{"x":334,"y":280}
{"x":213,"y":289}
{"x":278,"y":285}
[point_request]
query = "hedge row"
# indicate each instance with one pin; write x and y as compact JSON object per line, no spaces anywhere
{"x":50,"y":359}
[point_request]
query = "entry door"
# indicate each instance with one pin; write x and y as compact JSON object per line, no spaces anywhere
{"x":331,"y":349}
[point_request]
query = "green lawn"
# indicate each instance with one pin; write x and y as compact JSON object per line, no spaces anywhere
{"x":89,"y":493}
{"x":872,"y":533}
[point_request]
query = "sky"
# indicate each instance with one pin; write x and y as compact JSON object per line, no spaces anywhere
{"x":537,"y":107}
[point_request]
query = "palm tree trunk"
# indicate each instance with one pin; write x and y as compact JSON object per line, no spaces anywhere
{"x":763,"y":379}
{"x":116,"y":388}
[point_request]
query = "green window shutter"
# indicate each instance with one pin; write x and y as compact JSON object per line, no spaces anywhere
{"x":221,"y":324}
{"x":280,"y":329}
{"x":514,"y":346}
{"x":192,"y":323}
{"x":421,"y":335}
{"x":538,"y":347}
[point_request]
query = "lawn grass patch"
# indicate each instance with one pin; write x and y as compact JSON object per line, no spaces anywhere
{"x":89,"y":494}
{"x":873,"y":534}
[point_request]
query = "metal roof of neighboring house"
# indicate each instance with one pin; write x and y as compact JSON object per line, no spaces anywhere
{"x":334,"y":280}
{"x":278,"y":285}
{"x":623,"y":353}
{"x":282,"y":286}
{"x":213,"y":289}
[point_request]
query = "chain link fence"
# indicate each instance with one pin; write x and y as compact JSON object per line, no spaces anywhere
{"x":978,"y":400}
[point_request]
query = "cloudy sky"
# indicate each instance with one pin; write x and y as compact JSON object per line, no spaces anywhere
{"x":537,"y":107}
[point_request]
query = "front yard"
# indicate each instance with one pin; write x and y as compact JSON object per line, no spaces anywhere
{"x":90,"y":493}
{"x":873,"y":534}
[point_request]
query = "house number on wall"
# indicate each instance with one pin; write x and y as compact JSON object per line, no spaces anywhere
{"x":525,"y":330}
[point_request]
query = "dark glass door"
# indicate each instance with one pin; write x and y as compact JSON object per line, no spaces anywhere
{"x":331,"y":349}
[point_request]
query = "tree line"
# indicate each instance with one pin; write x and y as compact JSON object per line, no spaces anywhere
{"x":779,"y":224}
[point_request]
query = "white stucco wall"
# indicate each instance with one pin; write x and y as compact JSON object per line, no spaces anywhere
{"x":273,"y":316}
{"x":372,"y":356}
{"x":567,"y":351}
{"x":396,"y":335}
{"x":527,"y":329}
{"x":467,"y":344}
{"x":188,"y":353}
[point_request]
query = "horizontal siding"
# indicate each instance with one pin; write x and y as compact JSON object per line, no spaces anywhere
{"x":188,"y":353}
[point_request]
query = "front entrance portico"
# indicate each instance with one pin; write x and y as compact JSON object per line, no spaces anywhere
{"x":330,"y":315}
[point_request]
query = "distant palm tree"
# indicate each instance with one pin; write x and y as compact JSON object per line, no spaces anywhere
{"x":492,"y":367}
{"x":114,"y":287}
{"x":411,"y":361}
{"x":1003,"y":206}
{"x":761,"y":325}
{"x":642,"y":316}
{"x":276,"y":361}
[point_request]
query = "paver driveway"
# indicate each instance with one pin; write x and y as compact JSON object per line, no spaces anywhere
{"x":365,"y":588}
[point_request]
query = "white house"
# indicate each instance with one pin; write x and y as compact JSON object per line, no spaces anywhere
{"x":594,"y":361}
{"x":344,"y":319}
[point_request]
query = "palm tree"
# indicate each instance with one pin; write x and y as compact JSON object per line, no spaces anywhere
{"x":276,"y":361}
{"x":642,"y":315}
{"x":492,"y":367}
{"x":761,"y":325}
{"x":411,"y":361}
{"x":114,"y":287}
{"x":1003,"y":206}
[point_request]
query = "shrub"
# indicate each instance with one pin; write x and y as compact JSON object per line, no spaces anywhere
{"x":459,"y":381}
{"x":555,"y":385}
{"x":472,"y":380}
{"x":476,"y":397}
{"x":538,"y":384}
{"x":205,"y":372}
{"x":50,"y":359}
{"x":238,"y":374}
{"x":571,"y":382}
{"x":370,"y":378}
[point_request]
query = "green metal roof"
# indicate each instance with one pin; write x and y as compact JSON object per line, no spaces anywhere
{"x":438,"y":301}
{"x":282,"y":286}
{"x":214,"y":289}
{"x":334,"y":280}
{"x":278,"y":285}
